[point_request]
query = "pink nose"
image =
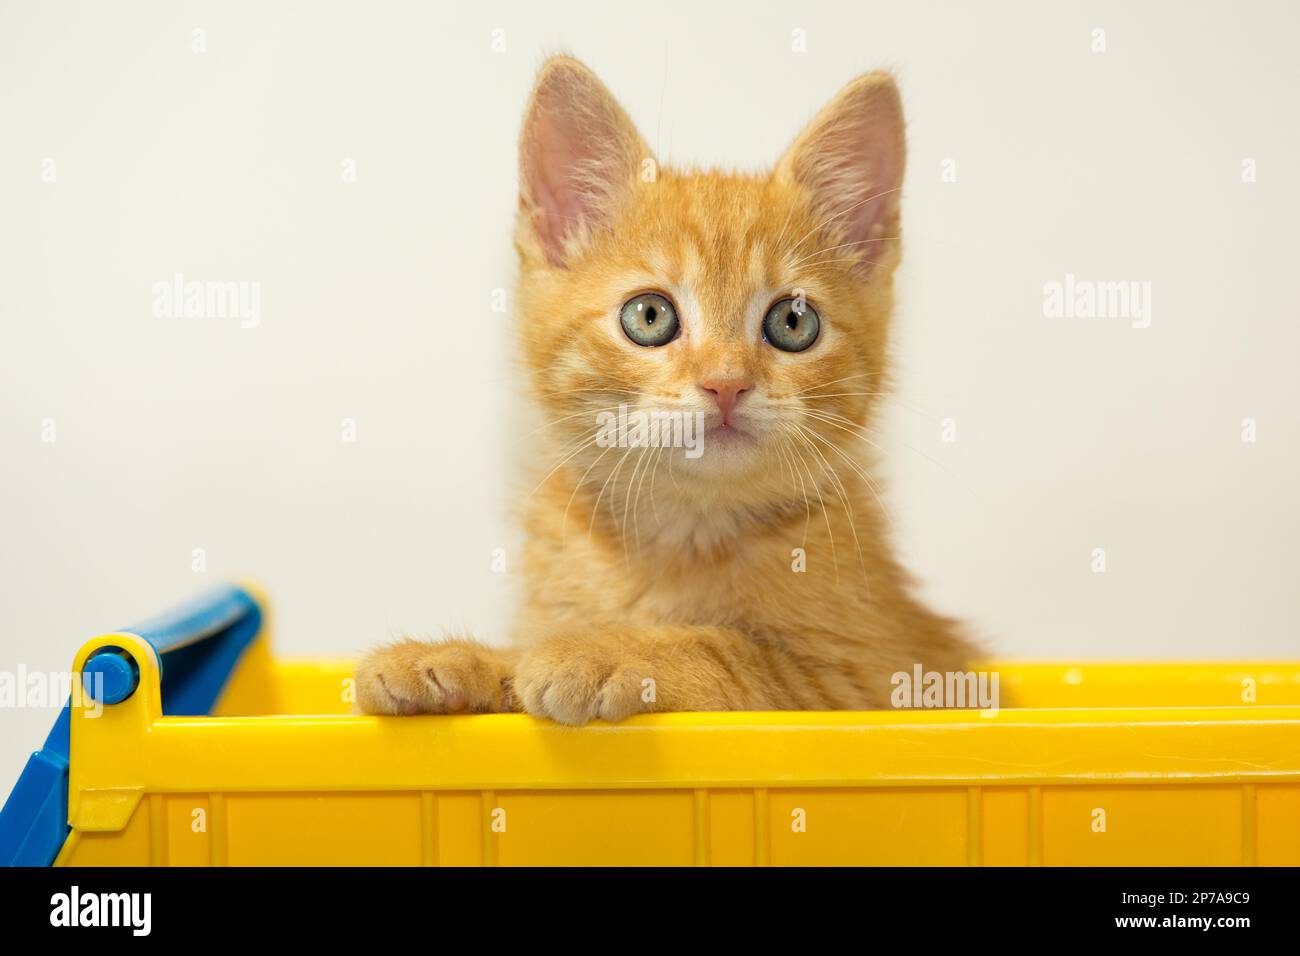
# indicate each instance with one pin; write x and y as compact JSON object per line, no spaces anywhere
{"x":727,"y":394}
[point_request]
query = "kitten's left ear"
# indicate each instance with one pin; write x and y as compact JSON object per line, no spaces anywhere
{"x":850,"y":160}
{"x":579,"y":155}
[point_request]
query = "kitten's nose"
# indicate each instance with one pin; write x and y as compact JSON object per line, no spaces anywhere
{"x":726,"y":392}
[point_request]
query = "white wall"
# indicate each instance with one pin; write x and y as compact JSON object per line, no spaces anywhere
{"x":1071,"y":434}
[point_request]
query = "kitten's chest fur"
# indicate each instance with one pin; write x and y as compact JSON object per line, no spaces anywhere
{"x":801,"y":580}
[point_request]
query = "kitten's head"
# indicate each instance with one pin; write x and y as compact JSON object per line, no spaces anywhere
{"x":759,"y":301}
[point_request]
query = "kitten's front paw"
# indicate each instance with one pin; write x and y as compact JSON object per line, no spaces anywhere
{"x":443,"y":677}
{"x":573,"y":681}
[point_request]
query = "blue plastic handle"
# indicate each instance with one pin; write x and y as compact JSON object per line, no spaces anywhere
{"x":110,"y":675}
{"x":205,"y":616}
{"x":199,"y":645}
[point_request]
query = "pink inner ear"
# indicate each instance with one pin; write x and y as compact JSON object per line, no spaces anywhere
{"x":549,"y":172}
{"x":577,"y":155}
{"x":851,"y":160}
{"x":856,"y":180}
{"x":874,"y":208}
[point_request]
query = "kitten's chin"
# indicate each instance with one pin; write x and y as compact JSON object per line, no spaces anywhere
{"x":724,"y":451}
{"x":731,"y":439}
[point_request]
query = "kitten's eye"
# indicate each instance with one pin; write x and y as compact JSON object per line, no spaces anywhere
{"x":649,"y":319}
{"x":790,"y":329}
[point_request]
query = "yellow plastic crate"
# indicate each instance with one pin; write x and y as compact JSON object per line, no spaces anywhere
{"x":1099,"y":764}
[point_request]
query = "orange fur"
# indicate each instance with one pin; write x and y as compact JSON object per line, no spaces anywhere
{"x":659,"y":582}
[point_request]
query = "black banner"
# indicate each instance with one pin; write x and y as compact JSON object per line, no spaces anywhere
{"x":928,"y":904}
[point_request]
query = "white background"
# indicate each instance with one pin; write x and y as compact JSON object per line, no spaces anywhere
{"x":177,"y":434}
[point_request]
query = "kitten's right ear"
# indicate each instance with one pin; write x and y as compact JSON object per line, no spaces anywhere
{"x":578,"y":157}
{"x":850,"y":160}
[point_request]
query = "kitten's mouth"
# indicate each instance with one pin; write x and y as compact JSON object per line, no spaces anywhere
{"x":732,"y":438}
{"x":728,"y":433}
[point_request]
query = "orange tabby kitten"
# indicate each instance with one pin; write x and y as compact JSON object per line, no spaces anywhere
{"x":749,"y":569}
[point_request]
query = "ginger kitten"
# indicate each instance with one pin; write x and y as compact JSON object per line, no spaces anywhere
{"x":756,"y":575}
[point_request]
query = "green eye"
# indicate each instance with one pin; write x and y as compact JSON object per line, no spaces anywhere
{"x":791,"y":325}
{"x":649,"y":319}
